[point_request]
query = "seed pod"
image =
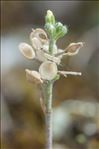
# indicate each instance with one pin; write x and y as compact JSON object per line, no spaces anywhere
{"x":33,"y":77}
{"x":40,"y":34}
{"x":26,"y":50}
{"x":61,"y":30}
{"x":36,"y":43}
{"x":58,"y":26}
{"x":73,"y":48}
{"x":48,"y":70}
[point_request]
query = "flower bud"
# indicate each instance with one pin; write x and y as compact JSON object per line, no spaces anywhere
{"x":61,"y":33}
{"x":50,"y":29}
{"x":27,"y":50}
{"x":50,"y":17}
{"x":48,"y":70}
{"x":73,"y":48}
{"x":33,"y":76}
{"x":64,"y":30}
{"x":58,"y":26}
{"x":60,"y":30}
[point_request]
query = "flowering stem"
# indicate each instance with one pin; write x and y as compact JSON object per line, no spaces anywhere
{"x":48,"y":72}
{"x":49,"y":115}
{"x":48,"y":93}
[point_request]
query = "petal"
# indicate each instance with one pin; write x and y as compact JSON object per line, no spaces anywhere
{"x":33,"y":76}
{"x":26,"y":50}
{"x":40,"y":34}
{"x":73,"y":48}
{"x":48,"y":70}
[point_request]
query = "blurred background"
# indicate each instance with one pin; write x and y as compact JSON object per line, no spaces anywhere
{"x":75,"y":99}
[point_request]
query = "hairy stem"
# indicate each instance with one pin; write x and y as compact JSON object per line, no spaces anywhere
{"x":48,"y":92}
{"x":49,"y":115}
{"x":51,"y":46}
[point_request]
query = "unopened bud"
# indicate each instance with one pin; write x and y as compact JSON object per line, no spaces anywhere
{"x":48,"y":70}
{"x":60,"y":30}
{"x":33,"y":77}
{"x":64,"y":30}
{"x":27,"y":50}
{"x":58,"y":26}
{"x":50,"y":29}
{"x":50,"y":17}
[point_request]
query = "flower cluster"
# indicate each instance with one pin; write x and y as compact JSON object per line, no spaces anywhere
{"x":40,"y":49}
